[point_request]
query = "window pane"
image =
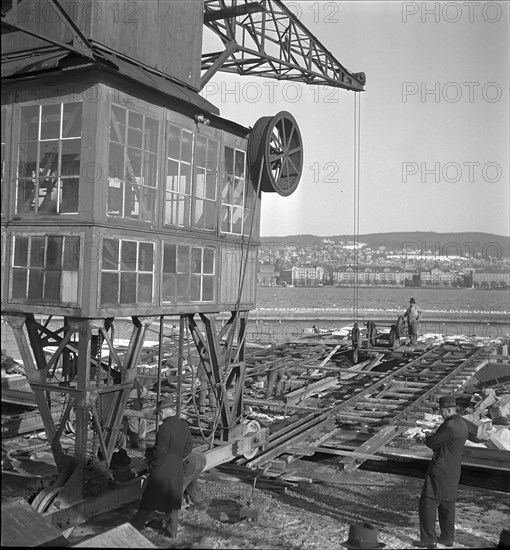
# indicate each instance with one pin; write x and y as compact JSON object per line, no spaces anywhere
{"x":50,"y":122}
{"x":146,"y":257}
{"x":145,"y":288}
{"x":171,"y":175}
{"x":150,"y":170}
{"x":135,"y":130}
{"x":128,"y":256}
{"x":37,"y":252}
{"x":196,"y":260}
{"x":237,"y":220}
{"x":70,"y":286}
{"x":26,"y":196}
{"x":210,"y":191}
{"x":115,"y":188}
{"x":185,"y":179}
{"x":148,"y":204}
{"x":194,"y":291}
{"x":52,"y":285}
{"x":169,"y":258}
{"x":133,"y":165}
{"x":183,"y":259}
{"x":54,"y":253}
{"x":116,"y":161}
{"x":183,"y":287}
{"x":21,"y":251}
{"x":210,"y":215}
{"x":187,"y":145}
{"x":199,"y":213}
{"x":72,"y":253}
{"x":127,"y":288}
{"x":208,"y":260}
{"x":19,"y":283}
{"x":48,"y":159}
{"x":110,"y":254}
{"x":239,"y":167}
{"x":212,"y":152}
{"x":132,"y":204}
{"x":229,"y":160}
{"x":70,"y":195}
{"x":70,"y":163}
{"x":168,"y":287}
{"x":71,"y":125}
{"x":225,"y":219}
{"x":208,"y":289}
{"x":227,"y":191}
{"x":29,"y":123}
{"x":117,"y":124}
{"x":151,"y":134}
{"x":238,"y":191}
{"x":27,"y":160}
{"x":199,"y":183}
{"x":200,"y":151}
{"x":109,"y":288}
{"x":35,"y":284}
{"x":174,"y":142}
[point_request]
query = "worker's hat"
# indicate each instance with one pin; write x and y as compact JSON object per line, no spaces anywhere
{"x":363,"y":535}
{"x":412,"y":301}
{"x":120,"y":459}
{"x":447,"y":401}
{"x":165,"y":403}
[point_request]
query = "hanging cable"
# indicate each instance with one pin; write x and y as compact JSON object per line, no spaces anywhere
{"x":356,"y":200}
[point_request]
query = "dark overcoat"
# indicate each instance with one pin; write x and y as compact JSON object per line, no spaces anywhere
{"x":163,"y":491}
{"x":443,"y":475}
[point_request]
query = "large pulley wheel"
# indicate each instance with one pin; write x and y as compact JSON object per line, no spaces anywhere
{"x":275,"y":154}
{"x":252,"y":427}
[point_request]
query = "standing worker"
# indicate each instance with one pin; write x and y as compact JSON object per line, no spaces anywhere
{"x":442,"y":478}
{"x":174,"y":468}
{"x":135,"y":427}
{"x":413,"y":314}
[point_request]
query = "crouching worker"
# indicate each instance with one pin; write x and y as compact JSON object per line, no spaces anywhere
{"x":173,"y":469}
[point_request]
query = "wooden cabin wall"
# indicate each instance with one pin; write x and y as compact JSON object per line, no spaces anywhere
{"x":162,"y":34}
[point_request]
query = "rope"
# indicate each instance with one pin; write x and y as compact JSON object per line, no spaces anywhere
{"x":356,"y":195}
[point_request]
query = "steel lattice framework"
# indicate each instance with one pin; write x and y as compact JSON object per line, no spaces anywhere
{"x":266,"y":39}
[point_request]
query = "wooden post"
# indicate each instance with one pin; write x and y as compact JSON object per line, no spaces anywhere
{"x":179,"y":364}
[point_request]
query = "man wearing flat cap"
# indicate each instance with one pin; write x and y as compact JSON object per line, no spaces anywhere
{"x":174,"y":468}
{"x":442,"y":478}
{"x":413,"y":314}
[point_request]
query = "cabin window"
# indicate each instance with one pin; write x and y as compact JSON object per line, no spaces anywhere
{"x":4,"y":193}
{"x":133,"y":163}
{"x":45,"y":269}
{"x":127,"y":272}
{"x":237,"y":196}
{"x":49,"y":149}
{"x":205,"y":179}
{"x":188,"y":273}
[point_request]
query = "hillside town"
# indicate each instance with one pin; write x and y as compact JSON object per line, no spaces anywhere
{"x":345,"y":263}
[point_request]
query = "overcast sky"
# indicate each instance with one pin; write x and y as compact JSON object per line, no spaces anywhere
{"x":434,"y":120}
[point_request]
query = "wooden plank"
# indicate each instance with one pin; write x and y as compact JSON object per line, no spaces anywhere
{"x":122,"y":536}
{"x":309,"y":451}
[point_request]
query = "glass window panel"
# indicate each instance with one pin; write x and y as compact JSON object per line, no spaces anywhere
{"x":212,"y":152}
{"x":183,"y":287}
{"x":35,"y":284}
{"x":54,"y":253}
{"x":196,"y":260}
{"x":229,"y":160}
{"x":210,"y":188}
{"x":109,"y":288}
{"x":70,"y":286}
{"x":29,"y":123}
{"x":146,"y":257}
{"x":48,"y":159}
{"x":133,"y":165}
{"x":186,"y":146}
{"x":238,"y":191}
{"x":27,"y":160}
{"x":174,"y":142}
{"x":150,"y":169}
{"x":183,"y":259}
{"x":225,"y":219}
{"x":127,"y":288}
{"x":200,"y":151}
{"x":70,"y":195}
{"x":131,"y":201}
{"x":128,"y":256}
{"x":194,"y":291}
{"x":199,"y":182}
{"x":115,"y":188}
{"x":145,"y":288}
{"x":237,"y":220}
{"x":48,"y":194}
{"x":248,"y":216}
{"x":26,"y":196}
{"x":19,"y":283}
{"x":208,"y":260}
{"x":169,"y":258}
{"x":37,"y":252}
{"x":171,"y":176}
{"x":210,"y":216}
{"x":239,"y":167}
{"x":116,"y":161}
{"x":184,"y":212}
{"x":135,"y":130}
{"x":72,"y":253}
{"x":118,"y":124}
{"x":151,"y":135}
{"x":208,"y":289}
{"x":50,"y":122}
{"x":199,"y":213}
{"x":52,"y":285}
{"x":185,"y":179}
{"x":168,"y":287}
{"x":70,"y":161}
{"x":71,"y":124}
{"x":21,"y":251}
{"x":148,"y":204}
{"x":110,"y":254}
{"x":226,"y":192}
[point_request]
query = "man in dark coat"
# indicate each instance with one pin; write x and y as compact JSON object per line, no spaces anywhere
{"x":168,"y":479}
{"x":442,"y":478}
{"x":413,"y":314}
